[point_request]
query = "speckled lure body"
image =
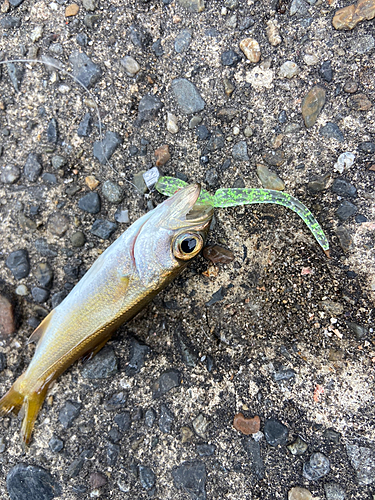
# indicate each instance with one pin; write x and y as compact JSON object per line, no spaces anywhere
{"x":142,"y":261}
{"x":232,"y":197}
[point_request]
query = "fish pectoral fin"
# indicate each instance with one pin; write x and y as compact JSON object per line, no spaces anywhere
{"x":39,"y":331}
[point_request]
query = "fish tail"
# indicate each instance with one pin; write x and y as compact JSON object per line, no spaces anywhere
{"x":26,"y":403}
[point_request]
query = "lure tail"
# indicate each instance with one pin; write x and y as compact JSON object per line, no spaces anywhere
{"x":27,"y":403}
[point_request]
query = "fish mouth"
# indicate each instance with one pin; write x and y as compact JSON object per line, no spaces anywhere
{"x":186,"y":212}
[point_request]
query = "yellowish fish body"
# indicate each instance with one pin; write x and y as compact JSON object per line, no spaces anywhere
{"x":141,"y":262}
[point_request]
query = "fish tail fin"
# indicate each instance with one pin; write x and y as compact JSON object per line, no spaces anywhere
{"x":26,"y":403}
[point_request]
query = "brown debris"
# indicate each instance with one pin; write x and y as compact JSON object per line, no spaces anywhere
{"x":162,"y":155}
{"x":218,"y":254}
{"x":246,"y":425}
{"x":359,"y":102}
{"x":348,"y":17}
{"x":7,"y":319}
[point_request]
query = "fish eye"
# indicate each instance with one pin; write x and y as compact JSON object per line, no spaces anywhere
{"x":187,"y":245}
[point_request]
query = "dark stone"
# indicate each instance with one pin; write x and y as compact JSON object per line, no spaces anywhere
{"x":140,"y":37}
{"x":166,"y":419}
{"x":326,"y":71}
{"x":52,"y":131}
{"x":217,"y":141}
{"x":68,"y":413}
{"x":182,"y":41}
{"x":72,"y":189}
{"x":334,"y":491}
{"x":187,"y":96}
{"x":112,"y":191}
{"x":87,"y":72}
{"x":138,"y":353}
{"x":167,"y":381}
{"x":191,"y":477}
{"x":362,"y":459}
{"x":367,"y":147}
{"x":15,"y":3}
{"x":16,"y":73}
{"x":216,"y":297}
{"x":205,"y":450}
{"x":116,"y":401}
{"x":212,"y":177}
{"x":57,"y":298}
{"x":103,"y":365}
{"x":78,"y":239}
{"x":49,"y":178}
{"x":274,"y":158}
{"x":75,"y":467}
{"x":55,"y":444}
{"x":230,"y":58}
{"x":113,"y":451}
{"x":331,"y":131}
{"x":358,"y":330}
{"x":343,"y":187}
{"x":275,"y":432}
{"x":255,"y":462}
{"x":3,"y":361}
{"x":32,"y":167}
{"x":90,"y":203}
{"x":123,"y":421}
{"x":18,"y":262}
{"x":345,"y":239}
{"x":317,"y":467}
{"x":345,"y":210}
{"x":148,"y":108}
{"x":10,"y":174}
{"x":332,"y":436}
{"x":103,"y":229}
{"x":227,"y":114}
{"x":319,"y":183}
{"x":44,"y":249}
{"x":104,"y":149}
{"x":146,"y":477}
{"x":133,"y":150}
{"x":157,"y":48}
{"x":29,"y":482}
{"x":58,"y":223}
{"x":91,"y":21}
{"x":204,"y":160}
{"x":82,"y":40}
{"x":283,"y":117}
{"x":114,"y":435}
{"x":40,"y":295}
{"x":150,"y":417}
{"x":202,"y":132}
{"x":239,"y":151}
{"x":71,"y":269}
{"x":284,"y":374}
{"x":85,"y":127}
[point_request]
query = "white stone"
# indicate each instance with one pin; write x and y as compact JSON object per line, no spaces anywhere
{"x":172,"y":126}
{"x":260,"y":78}
{"x":288,"y":70}
{"x":344,"y":161}
{"x":131,"y":66}
{"x":310,"y":59}
{"x":36,"y":34}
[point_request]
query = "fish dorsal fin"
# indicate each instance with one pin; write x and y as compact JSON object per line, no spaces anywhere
{"x":39,"y":331}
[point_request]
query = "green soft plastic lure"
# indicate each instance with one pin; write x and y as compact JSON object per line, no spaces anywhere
{"x":232,"y":197}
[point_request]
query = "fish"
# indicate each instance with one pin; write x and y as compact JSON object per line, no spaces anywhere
{"x":123,"y":279}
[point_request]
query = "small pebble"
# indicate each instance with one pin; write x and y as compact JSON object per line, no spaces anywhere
{"x":31,"y":482}
{"x":52,"y":131}
{"x":7,"y":318}
{"x":246,"y":425}
{"x":3,"y":361}
{"x":334,"y":491}
{"x":97,"y":480}
{"x":104,"y":149}
{"x":342,"y":187}
{"x":58,"y":162}
{"x":167,"y":381}
{"x":187,"y":96}
{"x":274,"y":158}
{"x":55,"y":444}
{"x":162,"y":155}
{"x":78,"y":239}
{"x":182,"y":41}
{"x":172,"y":125}
{"x":91,"y":182}
{"x":10,"y":174}
{"x":166,"y":419}
{"x":122,"y":216}
{"x":131,"y":66}
{"x":269,"y":179}
{"x":85,"y":126}
{"x":359,"y":102}
{"x":112,"y":192}
{"x":22,"y":290}
{"x":350,"y":86}
{"x":71,"y":10}
{"x":250,"y":47}
{"x":68,"y":413}
{"x":298,"y":447}
{"x":255,"y":461}
{"x":273,"y":33}
{"x":331,"y":131}
{"x":90,"y":203}
{"x":312,"y":105}
{"x":147,"y":477}
{"x":345,"y":210}
{"x":19,"y":263}
{"x":86,"y":71}
{"x":191,"y":478}
{"x":43,"y":273}
{"x":239,"y":151}
{"x":137,"y":358}
{"x":275,"y":432}
{"x":230,"y":58}
{"x":326,"y":71}
{"x":33,"y":167}
{"x":200,"y":425}
{"x":362,"y":459}
{"x":317,"y":467}
{"x":298,"y":493}
{"x":288,"y":70}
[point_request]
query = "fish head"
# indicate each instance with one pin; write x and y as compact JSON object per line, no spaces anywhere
{"x":174,"y":233}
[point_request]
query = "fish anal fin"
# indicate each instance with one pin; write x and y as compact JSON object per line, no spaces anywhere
{"x":39,"y":330}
